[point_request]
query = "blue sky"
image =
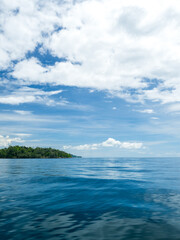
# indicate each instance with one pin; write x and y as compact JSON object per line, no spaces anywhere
{"x":95,"y":78}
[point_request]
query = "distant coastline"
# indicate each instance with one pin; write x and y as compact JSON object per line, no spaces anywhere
{"x":29,"y":152}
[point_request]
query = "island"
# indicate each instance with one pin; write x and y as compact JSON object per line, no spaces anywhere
{"x":29,"y":152}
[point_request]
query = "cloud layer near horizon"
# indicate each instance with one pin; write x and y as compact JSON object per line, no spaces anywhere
{"x":130,"y":48}
{"x":110,"y":142}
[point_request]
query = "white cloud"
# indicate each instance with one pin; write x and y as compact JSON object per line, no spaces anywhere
{"x":109,"y":45}
{"x":22,"y":112}
{"x":91,"y":90}
{"x":110,"y":142}
{"x":149,"y":111}
{"x":31,"y":95}
{"x":23,"y":134}
{"x":6,"y":140}
{"x":23,"y":24}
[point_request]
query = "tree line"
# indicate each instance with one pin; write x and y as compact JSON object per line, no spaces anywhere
{"x":29,"y":152}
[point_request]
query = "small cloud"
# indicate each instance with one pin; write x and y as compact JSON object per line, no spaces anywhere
{"x":155,"y":118}
{"x":22,"y":112}
{"x":110,"y":142}
{"x":91,"y":90}
{"x":23,"y":134}
{"x":149,"y":111}
{"x":114,"y":108}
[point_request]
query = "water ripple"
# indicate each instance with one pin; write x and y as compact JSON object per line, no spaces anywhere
{"x":125,"y":198}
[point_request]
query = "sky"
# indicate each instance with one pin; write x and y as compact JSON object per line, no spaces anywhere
{"x":95,"y":78}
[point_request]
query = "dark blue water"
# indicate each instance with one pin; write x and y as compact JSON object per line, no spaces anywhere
{"x":72,"y":199}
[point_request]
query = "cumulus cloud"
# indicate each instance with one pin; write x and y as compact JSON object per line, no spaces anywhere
{"x":6,"y":140}
{"x":129,"y":47}
{"x":110,"y":142}
{"x":23,"y":25}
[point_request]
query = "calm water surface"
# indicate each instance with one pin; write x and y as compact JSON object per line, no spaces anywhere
{"x":115,"y":198}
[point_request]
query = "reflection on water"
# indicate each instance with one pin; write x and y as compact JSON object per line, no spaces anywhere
{"x":121,"y":198}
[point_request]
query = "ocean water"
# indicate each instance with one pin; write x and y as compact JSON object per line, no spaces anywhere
{"x":110,"y":198}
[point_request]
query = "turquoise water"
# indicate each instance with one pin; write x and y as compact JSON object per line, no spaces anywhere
{"x":110,"y":198}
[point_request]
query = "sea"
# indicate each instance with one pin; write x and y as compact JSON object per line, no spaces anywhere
{"x":90,"y":199}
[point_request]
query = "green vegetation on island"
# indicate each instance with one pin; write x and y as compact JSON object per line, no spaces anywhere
{"x":29,"y":152}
